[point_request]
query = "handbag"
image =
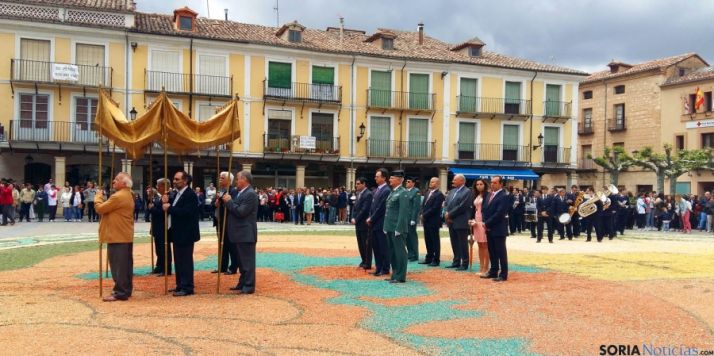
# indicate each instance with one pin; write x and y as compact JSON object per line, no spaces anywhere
{"x":279,"y":216}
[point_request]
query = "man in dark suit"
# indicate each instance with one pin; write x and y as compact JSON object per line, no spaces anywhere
{"x":228,"y":249}
{"x":459,"y":209}
{"x":242,"y":229}
{"x":573,"y":229}
{"x":299,"y":206}
{"x":376,"y":223}
{"x":360,"y":213}
{"x":431,"y":219}
{"x":543,"y":209}
{"x":495,"y":209}
{"x":183,"y":231}
{"x":157,"y":227}
{"x":609,"y":220}
{"x":559,"y":205}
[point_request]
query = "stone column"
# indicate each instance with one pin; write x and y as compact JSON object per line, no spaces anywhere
{"x":60,"y":171}
{"x":444,"y":180}
{"x":126,"y":166}
{"x":188,"y":167}
{"x":351,"y":177}
{"x":300,"y":176}
{"x":247,"y":167}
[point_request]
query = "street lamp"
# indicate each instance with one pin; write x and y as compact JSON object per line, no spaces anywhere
{"x":132,"y":113}
{"x":361,"y":132}
{"x":540,"y":142}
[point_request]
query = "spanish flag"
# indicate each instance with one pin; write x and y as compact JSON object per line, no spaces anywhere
{"x":699,"y":99}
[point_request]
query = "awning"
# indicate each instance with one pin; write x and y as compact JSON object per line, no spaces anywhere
{"x":510,"y":174}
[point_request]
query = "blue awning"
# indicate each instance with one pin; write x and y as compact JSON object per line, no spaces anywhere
{"x":510,"y":174}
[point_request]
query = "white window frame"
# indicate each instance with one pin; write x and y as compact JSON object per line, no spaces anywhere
{"x":380,"y":69}
{"x":335,"y":122}
{"x":50,"y":105}
{"x":520,"y":135}
{"x":290,"y":60}
{"x":562,"y":95}
{"x":178,"y":102}
{"x":280,"y":108}
{"x":428,"y":129}
{"x":561,"y":136}
{"x":73,"y":107}
{"x":32,"y":36}
{"x":391,"y":129}
{"x":477,"y":136}
{"x":199,"y":103}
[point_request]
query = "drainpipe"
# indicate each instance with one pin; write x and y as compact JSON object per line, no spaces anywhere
{"x":126,"y":72}
{"x":401,"y":113}
{"x":604,"y":132}
{"x":530,"y":138}
{"x":352,"y":108}
{"x":190,"y":79}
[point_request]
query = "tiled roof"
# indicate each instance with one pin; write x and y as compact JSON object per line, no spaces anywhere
{"x":114,"y":5}
{"x":639,"y":68}
{"x":701,"y":74}
{"x":406,"y":44}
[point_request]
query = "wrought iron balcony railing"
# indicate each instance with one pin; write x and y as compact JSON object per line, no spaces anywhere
{"x":277,"y":143}
{"x":492,"y":152}
{"x":401,"y":100}
{"x":557,"y":109}
{"x":400,"y":149}
{"x":586,"y":164}
{"x":556,"y":154}
{"x":585,"y":128}
{"x":317,"y":93}
{"x":180,"y":83}
{"x":480,"y":105}
{"x":53,"y":131}
{"x":616,"y":124}
{"x":25,"y":70}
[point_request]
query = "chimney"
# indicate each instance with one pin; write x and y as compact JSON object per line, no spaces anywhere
{"x":225,"y":11}
{"x":342,"y":29}
{"x":420,"y":27}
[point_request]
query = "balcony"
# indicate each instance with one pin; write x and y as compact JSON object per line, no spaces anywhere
{"x":492,"y":152}
{"x":614,"y":125}
{"x":417,"y":150}
{"x":585,"y":129}
{"x":557,"y":110}
{"x":303,"y":93}
{"x":39,"y":72}
{"x":187,"y":84}
{"x":400,"y":100}
{"x":474,"y":106}
{"x":40,"y":131}
{"x":585,"y":164}
{"x":556,"y":155}
{"x":301,"y":145}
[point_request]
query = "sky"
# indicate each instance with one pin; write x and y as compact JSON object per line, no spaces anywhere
{"x":579,"y":34}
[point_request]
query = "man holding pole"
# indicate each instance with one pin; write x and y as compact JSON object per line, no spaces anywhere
{"x":183,"y":231}
{"x":228,"y":249}
{"x":116,"y":229}
{"x":163,"y":251}
{"x":242,"y":229}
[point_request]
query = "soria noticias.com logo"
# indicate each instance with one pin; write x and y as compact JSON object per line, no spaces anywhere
{"x":652,"y":349}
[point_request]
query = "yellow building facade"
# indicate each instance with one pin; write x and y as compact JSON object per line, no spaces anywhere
{"x":318,"y":107}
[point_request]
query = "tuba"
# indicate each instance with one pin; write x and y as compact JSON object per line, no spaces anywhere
{"x":588,"y":207}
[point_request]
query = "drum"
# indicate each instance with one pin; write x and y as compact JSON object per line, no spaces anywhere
{"x":564,"y":218}
{"x":531,"y":213}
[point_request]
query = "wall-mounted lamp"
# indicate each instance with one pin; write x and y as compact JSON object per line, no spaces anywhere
{"x":133,"y":46}
{"x":132,"y":113}
{"x":540,"y":142}
{"x":361,"y":132}
{"x":443,"y":74}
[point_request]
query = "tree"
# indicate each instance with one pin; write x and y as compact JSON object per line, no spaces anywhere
{"x":670,"y":165}
{"x":652,"y":161}
{"x":613,"y":160}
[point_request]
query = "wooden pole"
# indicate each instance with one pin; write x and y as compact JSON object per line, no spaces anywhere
{"x":102,"y":189}
{"x":225,"y":211}
{"x":166,"y":212}
{"x":151,"y":182}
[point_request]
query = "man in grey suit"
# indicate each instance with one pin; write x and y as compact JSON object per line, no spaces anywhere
{"x":242,"y":229}
{"x":459,"y":207}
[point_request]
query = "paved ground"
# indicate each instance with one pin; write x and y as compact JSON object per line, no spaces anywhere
{"x":646,"y":289}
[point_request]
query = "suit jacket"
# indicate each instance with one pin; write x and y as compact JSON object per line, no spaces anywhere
{"x":241,"y":224}
{"x":415,"y":200}
{"x":220,"y":211}
{"x":459,"y":206}
{"x":431,"y":209}
{"x":361,"y":209}
{"x":157,"y":218}
{"x":184,"y":219}
{"x":495,"y":208}
{"x":398,"y":211}
{"x":558,"y":206}
{"x":542,"y":204}
{"x":378,"y":207}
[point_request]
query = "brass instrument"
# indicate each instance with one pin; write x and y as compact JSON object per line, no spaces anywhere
{"x":565,"y":218}
{"x":588,"y":207}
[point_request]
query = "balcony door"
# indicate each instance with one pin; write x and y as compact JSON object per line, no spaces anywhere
{"x":419,"y":146}
{"x":279,"y":79}
{"x":512,"y":102}
{"x":469,"y":93}
{"x":381,"y":89}
{"x":165,"y":71}
{"x":466,"y":145}
{"x":552,"y":100}
{"x":90,"y":60}
{"x":379,"y":136}
{"x":551,"y":142}
{"x":212,"y":75}
{"x":511,"y":143}
{"x":34,"y":118}
{"x":323,"y":84}
{"x":323,"y":126}
{"x":279,"y":130}
{"x":34,"y":63}
{"x":418,"y":91}
{"x":85,"y":110}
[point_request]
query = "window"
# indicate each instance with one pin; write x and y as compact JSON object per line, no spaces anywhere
{"x":618,"y":144}
{"x":708,"y":101}
{"x":34,"y":116}
{"x":682,"y":72}
{"x":513,"y":98}
{"x":387,"y":44}
{"x":381,"y":88}
{"x":467,"y":141}
{"x":323,"y":129}
{"x":419,"y":91}
{"x":708,"y":140}
{"x":185,"y":23}
{"x":620,"y":89}
{"x":165,"y":71}
{"x":588,"y":94}
{"x":85,"y":109}
{"x":294,"y":36}
{"x":468,"y":98}
{"x":34,"y":61}
{"x":679,"y":142}
{"x":208,"y":110}
{"x":323,"y":83}
{"x":551,"y":141}
{"x":475,"y":51}
{"x":279,"y":130}
{"x":279,"y":78}
{"x":379,"y":135}
{"x":419,"y":147}
{"x":552,"y":100}
{"x":90,"y":59}
{"x":588,"y":118}
{"x":620,"y":115}
{"x":586,"y":150}
{"x":213,"y":77}
{"x":511,"y":142}
{"x":692,"y":100}
{"x":585,"y":162}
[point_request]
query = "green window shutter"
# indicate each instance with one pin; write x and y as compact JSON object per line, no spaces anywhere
{"x":418,"y":137}
{"x":468,"y":100}
{"x":552,"y":136}
{"x":552,"y":100}
{"x":279,"y":75}
{"x":683,"y":188}
{"x":419,"y":91}
{"x":379,"y":132}
{"x":467,"y":136}
{"x":323,"y":75}
{"x":513,"y":92}
{"x":381,"y":88}
{"x":510,"y":135}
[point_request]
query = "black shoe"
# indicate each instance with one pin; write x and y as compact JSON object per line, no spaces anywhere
{"x":538,"y":241}
{"x":388,"y":279}
{"x":425,"y":262}
{"x":413,"y":259}
{"x":562,"y":238}
{"x":396,"y":281}
{"x":377,"y":274}
{"x":487,"y":276}
{"x":434,"y":264}
{"x":588,"y":239}
{"x":246,"y":291}
{"x":500,"y":279}
{"x":229,"y":272}
{"x":161,"y":274}
{"x":173,"y":290}
{"x":182,"y":293}
{"x":236,"y":288}
{"x":550,"y":241}
{"x":453,"y":265}
{"x":462,"y":268}
{"x":362,"y":265}
{"x":215,"y":271}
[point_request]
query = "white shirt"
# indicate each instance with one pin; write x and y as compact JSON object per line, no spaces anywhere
{"x":178,"y":195}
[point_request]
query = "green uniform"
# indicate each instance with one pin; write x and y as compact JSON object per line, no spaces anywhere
{"x":396,"y":221}
{"x":413,"y":238}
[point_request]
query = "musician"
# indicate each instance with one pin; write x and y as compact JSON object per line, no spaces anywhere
{"x":594,"y":220}
{"x":573,"y":229}
{"x":517,"y":210}
{"x":532,"y":209}
{"x":610,"y":215}
{"x":623,"y":210}
{"x":543,"y":202}
{"x":527,"y":195}
{"x":558,"y":207}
